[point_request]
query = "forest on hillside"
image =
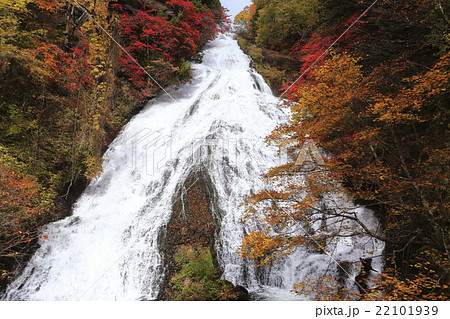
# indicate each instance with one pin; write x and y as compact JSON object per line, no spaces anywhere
{"x":66,"y":89}
{"x":368,"y":82}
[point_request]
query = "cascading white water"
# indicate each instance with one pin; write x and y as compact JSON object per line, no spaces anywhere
{"x":108,"y":248}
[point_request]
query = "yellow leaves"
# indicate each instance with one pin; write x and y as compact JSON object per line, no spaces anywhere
{"x":95,"y":95}
{"x":341,"y":70}
{"x":406,"y":106}
{"x":264,"y":248}
{"x":98,"y":72}
{"x":242,"y":20}
{"x":15,"y":5}
{"x":93,"y":166}
{"x":326,"y":101}
{"x":323,"y":288}
{"x":94,"y":71}
{"x":256,"y":245}
{"x":10,"y":15}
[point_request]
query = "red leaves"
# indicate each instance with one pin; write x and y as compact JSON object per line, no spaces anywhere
{"x":188,"y":10}
{"x":318,"y":43}
{"x":152,"y":36}
{"x":75,"y":68}
{"x":21,"y":207}
{"x":117,"y":6}
{"x":24,"y":206}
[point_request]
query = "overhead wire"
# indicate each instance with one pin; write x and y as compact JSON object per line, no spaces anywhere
{"x":121,"y":47}
{"x":329,"y":48}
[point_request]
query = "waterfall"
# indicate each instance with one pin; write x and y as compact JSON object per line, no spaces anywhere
{"x":108,"y":248}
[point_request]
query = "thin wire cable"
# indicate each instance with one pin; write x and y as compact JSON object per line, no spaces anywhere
{"x":100,"y":278}
{"x":328,"y":49}
{"x":301,"y":75}
{"x":121,"y":47}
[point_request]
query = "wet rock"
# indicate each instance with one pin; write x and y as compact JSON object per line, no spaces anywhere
{"x":187,"y":242}
{"x":362,"y":278}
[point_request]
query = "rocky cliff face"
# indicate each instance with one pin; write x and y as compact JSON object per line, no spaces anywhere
{"x":187,"y":242}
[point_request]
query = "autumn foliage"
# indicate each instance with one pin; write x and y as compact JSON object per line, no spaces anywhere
{"x":159,"y":39}
{"x":66,"y":89}
{"x":378,"y":111}
{"x":23,"y":206}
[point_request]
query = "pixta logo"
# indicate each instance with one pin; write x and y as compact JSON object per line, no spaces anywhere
{"x":149,"y":151}
{"x":308,"y":153}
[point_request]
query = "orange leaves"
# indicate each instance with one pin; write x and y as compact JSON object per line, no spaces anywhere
{"x":19,"y":200}
{"x":326,"y":102}
{"x":434,"y":81}
{"x":50,"y":5}
{"x":409,"y":104}
{"x":423,"y":286}
{"x":50,"y":57}
{"x":23,"y":206}
{"x":385,"y":141}
{"x":256,"y":245}
{"x":323,"y":288}
{"x":264,"y":248}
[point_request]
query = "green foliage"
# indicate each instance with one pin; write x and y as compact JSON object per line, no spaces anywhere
{"x":199,"y":262}
{"x":271,"y":75}
{"x":214,"y":5}
{"x":198,"y":278}
{"x":11,"y":14}
{"x":439,"y":17}
{"x":183,"y":72}
{"x":281,"y":22}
